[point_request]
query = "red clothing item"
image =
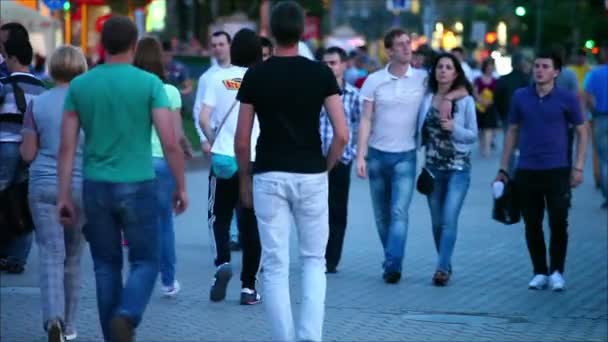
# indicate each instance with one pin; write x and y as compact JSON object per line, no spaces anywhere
{"x":359,"y":82}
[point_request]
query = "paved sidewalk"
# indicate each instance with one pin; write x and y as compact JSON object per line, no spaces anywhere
{"x":487,"y":299}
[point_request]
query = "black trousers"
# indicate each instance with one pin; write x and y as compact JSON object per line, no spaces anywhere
{"x":550,"y":189}
{"x":223,"y":200}
{"x":339,"y":184}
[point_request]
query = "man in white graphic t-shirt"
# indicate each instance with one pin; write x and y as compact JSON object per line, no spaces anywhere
{"x":220,"y":104}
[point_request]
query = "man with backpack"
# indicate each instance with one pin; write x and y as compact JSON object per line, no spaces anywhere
{"x":16,"y":92}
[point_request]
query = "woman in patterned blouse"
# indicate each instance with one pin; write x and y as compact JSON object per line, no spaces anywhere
{"x":448,"y":141}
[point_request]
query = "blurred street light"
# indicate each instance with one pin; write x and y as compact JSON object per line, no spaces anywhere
{"x":458,"y":26}
{"x":502,"y":33}
{"x":520,"y":11}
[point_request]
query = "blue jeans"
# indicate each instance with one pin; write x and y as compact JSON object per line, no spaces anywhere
{"x":391,"y":181}
{"x":600,"y":135}
{"x":166,"y":187}
{"x":130,"y":208}
{"x":15,"y":248}
{"x":445,"y":202}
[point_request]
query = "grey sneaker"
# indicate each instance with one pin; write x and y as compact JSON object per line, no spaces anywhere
{"x":250,"y":297}
{"x":220,"y":282}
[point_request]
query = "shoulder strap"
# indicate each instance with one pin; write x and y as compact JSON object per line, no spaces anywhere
{"x":20,"y":101}
{"x":219,"y":128}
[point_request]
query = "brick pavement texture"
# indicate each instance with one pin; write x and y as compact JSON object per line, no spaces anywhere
{"x":487,"y":299}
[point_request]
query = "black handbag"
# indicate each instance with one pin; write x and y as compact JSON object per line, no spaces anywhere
{"x":425,"y":182}
{"x":506,"y":208}
{"x":15,"y":215}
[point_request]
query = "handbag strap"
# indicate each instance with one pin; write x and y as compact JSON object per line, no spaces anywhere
{"x":219,"y":128}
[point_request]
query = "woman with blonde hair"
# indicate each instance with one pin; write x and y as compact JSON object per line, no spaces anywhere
{"x":60,"y":248}
{"x":148,"y":57}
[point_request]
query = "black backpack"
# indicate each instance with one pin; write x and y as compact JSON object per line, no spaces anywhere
{"x":15,"y":215}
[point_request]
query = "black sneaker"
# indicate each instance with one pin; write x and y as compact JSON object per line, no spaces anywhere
{"x":331,"y":270}
{"x":122,"y":329}
{"x":391,"y":277}
{"x":220,"y":282}
{"x":55,"y":333}
{"x":250,"y":297}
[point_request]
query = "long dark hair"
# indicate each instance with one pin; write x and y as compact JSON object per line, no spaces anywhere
{"x":460,"y":81}
{"x":246,"y":48}
{"x":148,"y":57}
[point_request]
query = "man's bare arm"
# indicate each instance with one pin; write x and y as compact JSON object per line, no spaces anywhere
{"x":509,"y":145}
{"x":70,"y":126}
{"x":205,"y":122}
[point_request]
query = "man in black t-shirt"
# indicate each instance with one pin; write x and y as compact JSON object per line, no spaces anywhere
{"x":290,"y":172}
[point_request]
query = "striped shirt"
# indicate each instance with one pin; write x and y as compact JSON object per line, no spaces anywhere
{"x":352,"y":111}
{"x":11,"y":116}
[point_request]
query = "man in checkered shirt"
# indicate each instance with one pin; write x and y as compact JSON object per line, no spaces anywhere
{"x":339,"y":177}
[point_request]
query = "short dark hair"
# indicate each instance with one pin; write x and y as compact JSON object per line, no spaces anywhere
{"x":148,"y":57}
{"x":338,"y":51}
{"x":287,"y":22}
{"x":246,"y":48}
{"x":552,"y":55}
{"x":389,"y":37}
{"x":458,"y":49}
{"x":266,"y":43}
{"x":460,"y":81}
{"x":118,"y":35}
{"x":222,"y":33}
{"x":15,"y":31}
{"x":21,"y":49}
{"x":486,"y":63}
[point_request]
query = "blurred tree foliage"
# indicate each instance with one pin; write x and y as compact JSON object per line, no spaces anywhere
{"x":122,"y":6}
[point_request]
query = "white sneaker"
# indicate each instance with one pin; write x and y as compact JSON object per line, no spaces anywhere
{"x":557,"y":282}
{"x":71,"y":336}
{"x":539,"y":282}
{"x":171,"y":291}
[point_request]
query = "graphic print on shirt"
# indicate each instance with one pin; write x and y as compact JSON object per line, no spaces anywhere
{"x":233,"y":83}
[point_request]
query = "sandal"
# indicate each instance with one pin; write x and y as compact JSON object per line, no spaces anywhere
{"x":440,"y":278}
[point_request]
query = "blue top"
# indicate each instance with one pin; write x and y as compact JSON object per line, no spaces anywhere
{"x":43,"y":118}
{"x":543,"y":126}
{"x":596,"y":84}
{"x":465,"y":132}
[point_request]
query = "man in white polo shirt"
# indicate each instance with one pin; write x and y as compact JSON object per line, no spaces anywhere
{"x":391,"y":98}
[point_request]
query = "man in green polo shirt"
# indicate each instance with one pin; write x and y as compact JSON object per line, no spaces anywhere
{"x":116,"y":105}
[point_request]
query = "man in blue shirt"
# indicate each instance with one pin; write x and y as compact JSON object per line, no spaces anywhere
{"x":596,"y":90}
{"x":539,"y":119}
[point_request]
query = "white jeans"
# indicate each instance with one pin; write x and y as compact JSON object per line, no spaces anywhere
{"x":277,"y":197}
